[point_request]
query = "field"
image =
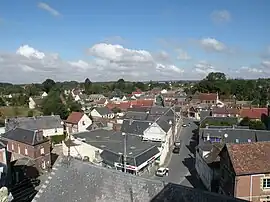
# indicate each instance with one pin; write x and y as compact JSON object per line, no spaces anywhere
{"x":6,"y":112}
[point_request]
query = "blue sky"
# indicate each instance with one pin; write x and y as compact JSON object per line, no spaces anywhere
{"x":70,"y":29}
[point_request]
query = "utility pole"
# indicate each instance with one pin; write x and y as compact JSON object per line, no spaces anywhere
{"x":125,"y":152}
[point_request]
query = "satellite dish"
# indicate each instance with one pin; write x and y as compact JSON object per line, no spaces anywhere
{"x":225,"y":135}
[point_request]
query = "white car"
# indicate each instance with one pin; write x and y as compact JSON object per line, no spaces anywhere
{"x":184,"y":125}
{"x":162,"y":172}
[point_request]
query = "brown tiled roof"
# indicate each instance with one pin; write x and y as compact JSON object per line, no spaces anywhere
{"x":74,"y":117}
{"x":250,"y":158}
{"x":207,"y":96}
{"x":253,"y":113}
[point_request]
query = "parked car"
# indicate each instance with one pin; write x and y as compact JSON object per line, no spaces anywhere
{"x":162,"y":172}
{"x":184,"y":125}
{"x":176,"y":150}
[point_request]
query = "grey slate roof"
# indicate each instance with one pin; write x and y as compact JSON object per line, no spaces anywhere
{"x":243,"y":135}
{"x":135,"y":115}
{"x":135,"y":126}
{"x":83,"y":182}
{"x":178,"y":193}
{"x":103,"y":110}
{"x":204,"y":113}
{"x":34,"y":123}
{"x":29,"y":137}
{"x":231,"y":120}
{"x":112,"y":143}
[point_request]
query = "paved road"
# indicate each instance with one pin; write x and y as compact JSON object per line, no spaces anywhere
{"x":182,"y":169}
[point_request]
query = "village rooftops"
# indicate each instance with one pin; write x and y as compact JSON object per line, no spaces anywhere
{"x":112,"y":144}
{"x":25,"y":136}
{"x":249,"y":158}
{"x":34,"y":123}
{"x":74,"y":117}
{"x":75,"y":180}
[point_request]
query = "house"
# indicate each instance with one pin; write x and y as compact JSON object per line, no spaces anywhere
{"x":50,"y":125}
{"x":4,"y":163}
{"x":35,"y":102}
{"x":225,"y":112}
{"x":29,"y":149}
{"x":193,"y":112}
{"x":102,"y":112}
{"x":82,"y":179}
{"x":108,"y":146}
{"x":253,"y":113}
{"x":96,"y":97}
{"x":245,"y":171}
{"x":137,"y":93}
{"x":44,"y":94}
{"x":77,"y":122}
{"x":208,"y":98}
{"x":102,"y":102}
{"x":207,"y":164}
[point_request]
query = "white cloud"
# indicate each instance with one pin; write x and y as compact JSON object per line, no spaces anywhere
{"x":266,"y":64}
{"x":213,"y":45}
{"x":221,"y":16}
{"x":182,"y":55}
{"x":49,"y":9}
{"x":203,"y":68}
{"x":107,"y":62}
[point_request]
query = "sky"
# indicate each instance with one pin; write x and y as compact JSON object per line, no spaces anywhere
{"x":135,"y":40}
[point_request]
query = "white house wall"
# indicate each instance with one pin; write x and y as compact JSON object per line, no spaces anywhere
{"x":84,"y":123}
{"x":53,"y":132}
{"x":154,"y":133}
{"x":94,"y":113}
{"x":81,"y":150}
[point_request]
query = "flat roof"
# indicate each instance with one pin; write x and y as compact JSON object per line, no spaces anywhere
{"x":114,"y":141}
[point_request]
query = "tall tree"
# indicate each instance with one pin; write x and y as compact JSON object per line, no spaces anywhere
{"x":48,"y":84}
{"x":88,"y":86}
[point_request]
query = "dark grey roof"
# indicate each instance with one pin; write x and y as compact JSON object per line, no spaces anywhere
{"x":135,"y":126}
{"x":204,"y":113}
{"x":25,"y":136}
{"x":34,"y":123}
{"x":235,"y":135}
{"x":112,"y":143}
{"x":96,"y":124}
{"x":3,"y":144}
{"x":159,"y":110}
{"x":164,"y":124}
{"x":103,"y":110}
{"x":135,"y":115}
{"x":81,"y":181}
{"x":262,"y":135}
{"x":179,"y":193}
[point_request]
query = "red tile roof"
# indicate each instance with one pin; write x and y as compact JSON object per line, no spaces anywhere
{"x":142,"y":102}
{"x":207,"y":96}
{"x":253,"y":113}
{"x":74,"y":117}
{"x":250,"y":158}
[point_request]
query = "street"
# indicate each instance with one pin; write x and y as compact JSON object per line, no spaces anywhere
{"x":181,"y":166}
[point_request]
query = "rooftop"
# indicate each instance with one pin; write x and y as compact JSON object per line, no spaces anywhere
{"x":114,"y":141}
{"x":34,"y":123}
{"x":74,"y":117}
{"x":81,"y":181}
{"x":250,"y":158}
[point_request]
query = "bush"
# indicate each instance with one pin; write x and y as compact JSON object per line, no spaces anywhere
{"x":56,"y":139}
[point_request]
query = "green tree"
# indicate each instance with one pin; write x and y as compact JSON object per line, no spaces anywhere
{"x":116,"y":110}
{"x":88,"y":86}
{"x":30,"y":113}
{"x":2,"y":102}
{"x":48,"y":84}
{"x":245,"y":121}
{"x":53,"y":104}
{"x":216,"y":76}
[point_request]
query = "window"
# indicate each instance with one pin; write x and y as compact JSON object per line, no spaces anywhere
{"x":25,"y":151}
{"x":83,"y":123}
{"x":43,"y":165}
{"x":12,"y":146}
{"x":266,"y":183}
{"x":19,"y":149}
{"x":42,"y":151}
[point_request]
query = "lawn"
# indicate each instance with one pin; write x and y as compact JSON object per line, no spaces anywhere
{"x":6,"y":112}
